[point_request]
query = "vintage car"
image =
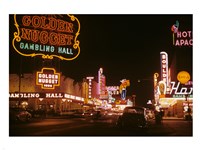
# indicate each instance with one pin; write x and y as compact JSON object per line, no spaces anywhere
{"x":133,"y":118}
{"x":19,"y":115}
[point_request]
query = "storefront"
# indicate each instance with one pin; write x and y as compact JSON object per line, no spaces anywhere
{"x":179,"y":101}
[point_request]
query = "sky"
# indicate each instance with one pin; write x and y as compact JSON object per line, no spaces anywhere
{"x":126,"y":47}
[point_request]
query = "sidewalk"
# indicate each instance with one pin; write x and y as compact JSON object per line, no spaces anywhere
{"x":172,"y":118}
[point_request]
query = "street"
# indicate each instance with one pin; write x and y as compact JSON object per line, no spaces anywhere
{"x":101,"y":127}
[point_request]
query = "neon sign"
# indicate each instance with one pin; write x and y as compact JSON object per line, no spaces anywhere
{"x":180,"y":91}
{"x":101,"y":83}
{"x":183,"y":77}
{"x":176,"y":91}
{"x":48,"y":36}
{"x":24,"y":95}
{"x":114,"y":90}
{"x":162,"y":88}
{"x":48,"y":78}
{"x":45,"y":95}
{"x":182,"y":38}
{"x":90,"y":87}
{"x":122,"y":88}
{"x":164,"y":67}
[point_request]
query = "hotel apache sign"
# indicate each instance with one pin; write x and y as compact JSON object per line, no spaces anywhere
{"x":48,"y":78}
{"x":47,"y":36}
{"x":181,"y":38}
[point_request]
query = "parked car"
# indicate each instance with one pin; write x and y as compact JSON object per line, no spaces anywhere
{"x":19,"y":114}
{"x":97,"y":114}
{"x":88,"y":113}
{"x":78,"y":113}
{"x":133,"y":118}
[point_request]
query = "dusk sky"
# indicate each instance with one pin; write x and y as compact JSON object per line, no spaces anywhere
{"x":125,"y":46}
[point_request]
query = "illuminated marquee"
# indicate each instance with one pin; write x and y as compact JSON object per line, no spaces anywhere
{"x":48,"y":36}
{"x":48,"y":78}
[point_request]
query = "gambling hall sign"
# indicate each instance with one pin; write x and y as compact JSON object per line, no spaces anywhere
{"x":48,"y":36}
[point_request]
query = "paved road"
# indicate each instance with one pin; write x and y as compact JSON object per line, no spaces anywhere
{"x":101,"y":127}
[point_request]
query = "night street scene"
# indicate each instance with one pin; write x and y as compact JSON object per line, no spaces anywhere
{"x":100,"y":75}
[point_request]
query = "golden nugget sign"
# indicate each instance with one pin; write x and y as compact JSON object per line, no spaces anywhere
{"x":48,"y":78}
{"x":48,"y":36}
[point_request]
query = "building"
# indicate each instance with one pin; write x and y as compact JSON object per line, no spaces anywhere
{"x":24,"y":92}
{"x":177,"y":98}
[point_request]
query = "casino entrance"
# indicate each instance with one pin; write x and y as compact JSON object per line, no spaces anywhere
{"x":58,"y":106}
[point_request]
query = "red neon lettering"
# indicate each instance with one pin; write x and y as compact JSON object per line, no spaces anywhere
{"x":63,"y":38}
{"x":178,"y":34}
{"x":181,"y":42}
{"x":69,"y":39}
{"x":186,"y":42}
{"x":52,"y":23}
{"x":69,"y":27}
{"x":34,"y":36}
{"x":26,"y":33}
{"x":44,"y":37}
{"x":49,"y":23}
{"x":26,"y":20}
{"x":191,"y":42}
{"x":53,"y":39}
{"x":189,"y":33}
{"x":184,"y":34}
{"x":44,"y":24}
{"x":61,"y":26}
{"x":36,"y":21}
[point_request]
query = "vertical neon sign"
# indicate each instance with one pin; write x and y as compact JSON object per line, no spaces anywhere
{"x":90,"y":87}
{"x":122,"y":88}
{"x":100,"y":73}
{"x":164,"y":67}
